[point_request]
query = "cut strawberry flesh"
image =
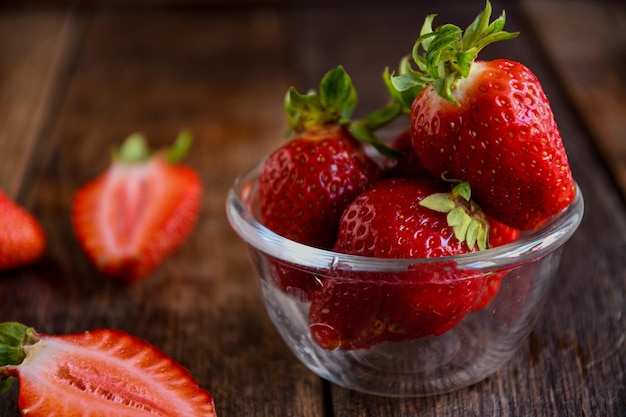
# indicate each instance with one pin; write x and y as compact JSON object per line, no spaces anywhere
{"x":106,"y":373}
{"x":130,"y":217}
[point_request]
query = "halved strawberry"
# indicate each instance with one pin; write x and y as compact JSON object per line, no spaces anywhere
{"x":138,"y":211}
{"x":98,"y":373}
{"x":22,"y":240}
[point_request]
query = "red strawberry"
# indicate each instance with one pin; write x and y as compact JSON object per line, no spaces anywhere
{"x":138,"y":211}
{"x":406,"y":164}
{"x":488,"y":123}
{"x":499,"y":234}
{"x":345,"y":315}
{"x":22,"y":240}
{"x":102,"y":372}
{"x":391,"y":220}
{"x":305,"y":185}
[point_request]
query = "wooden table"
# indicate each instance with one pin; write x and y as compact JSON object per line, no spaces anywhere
{"x":75,"y":80}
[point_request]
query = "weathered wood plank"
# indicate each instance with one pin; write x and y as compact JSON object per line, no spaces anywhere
{"x":35,"y":46}
{"x":220,"y":75}
{"x":586,"y":44}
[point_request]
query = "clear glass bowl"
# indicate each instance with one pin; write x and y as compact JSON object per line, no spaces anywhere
{"x":347,"y":318}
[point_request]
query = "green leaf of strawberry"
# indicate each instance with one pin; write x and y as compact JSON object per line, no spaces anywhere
{"x":463,"y":215}
{"x":334,"y":104}
{"x":449,"y":53}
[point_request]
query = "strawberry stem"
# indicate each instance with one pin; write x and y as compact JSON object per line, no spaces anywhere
{"x":135,"y":149}
{"x":181,"y":147}
{"x":445,"y":55}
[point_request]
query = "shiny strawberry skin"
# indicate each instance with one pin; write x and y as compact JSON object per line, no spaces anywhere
{"x":502,"y":138}
{"x":345,"y":315}
{"x":388,"y":222}
{"x":305,"y":184}
{"x":407,"y":164}
{"x":132,"y":216}
{"x":304,"y":187}
{"x":22,"y":239}
{"x":105,"y":373}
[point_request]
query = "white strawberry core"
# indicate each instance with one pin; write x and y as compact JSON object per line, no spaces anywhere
{"x":124,"y":216}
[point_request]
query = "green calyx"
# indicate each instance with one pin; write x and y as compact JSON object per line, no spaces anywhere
{"x":464,"y":216}
{"x":135,"y":149}
{"x":334,"y":104}
{"x":445,"y":55}
{"x":13,"y":337}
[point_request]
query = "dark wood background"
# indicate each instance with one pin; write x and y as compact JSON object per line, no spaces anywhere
{"x":76,"y":77}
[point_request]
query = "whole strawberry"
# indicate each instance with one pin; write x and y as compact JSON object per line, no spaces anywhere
{"x":103,"y":372}
{"x":22,"y":240}
{"x":305,"y":184}
{"x":406,"y":218}
{"x":488,"y":123}
{"x":138,"y":211}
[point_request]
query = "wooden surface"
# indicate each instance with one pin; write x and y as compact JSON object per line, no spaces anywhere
{"x":75,"y":81}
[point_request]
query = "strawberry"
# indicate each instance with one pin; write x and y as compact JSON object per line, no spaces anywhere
{"x":22,"y":240}
{"x":102,"y":372}
{"x":306,"y":183}
{"x":138,"y":211}
{"x":406,"y":218}
{"x":486,"y":122}
{"x":406,"y":163}
{"x":345,"y":315}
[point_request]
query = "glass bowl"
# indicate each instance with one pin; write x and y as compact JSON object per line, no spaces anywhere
{"x":354,"y":320}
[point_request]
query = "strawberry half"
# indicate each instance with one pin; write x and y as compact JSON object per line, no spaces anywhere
{"x":138,"y":211}
{"x":405,"y":218}
{"x":22,"y":240}
{"x":488,"y":123}
{"x":101,"y":372}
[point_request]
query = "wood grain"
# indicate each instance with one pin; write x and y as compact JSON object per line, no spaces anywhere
{"x":587,"y":45}
{"x":202,"y":306}
{"x":33,"y":51}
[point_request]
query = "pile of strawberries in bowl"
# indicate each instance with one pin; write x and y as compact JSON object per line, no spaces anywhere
{"x":416,"y":264}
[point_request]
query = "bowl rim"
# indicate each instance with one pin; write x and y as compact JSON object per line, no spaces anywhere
{"x":530,"y":246}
